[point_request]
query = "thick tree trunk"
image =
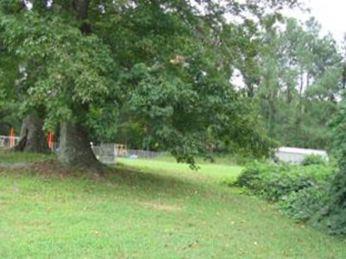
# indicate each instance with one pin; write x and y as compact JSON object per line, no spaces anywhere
{"x":75,"y":148}
{"x":32,"y":138}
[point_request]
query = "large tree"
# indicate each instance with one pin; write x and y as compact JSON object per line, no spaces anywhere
{"x":161,"y":62}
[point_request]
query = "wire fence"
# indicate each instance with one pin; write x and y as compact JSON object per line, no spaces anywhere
{"x":134,"y":153}
{"x":8,"y":141}
{"x":108,"y":153}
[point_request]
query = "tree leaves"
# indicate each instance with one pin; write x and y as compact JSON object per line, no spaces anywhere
{"x":164,"y":65}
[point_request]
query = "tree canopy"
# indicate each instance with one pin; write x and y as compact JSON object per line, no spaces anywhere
{"x":164,"y":66}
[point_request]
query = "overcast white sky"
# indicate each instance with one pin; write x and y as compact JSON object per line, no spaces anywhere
{"x":330,"y":13}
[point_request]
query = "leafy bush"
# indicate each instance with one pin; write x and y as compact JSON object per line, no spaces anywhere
{"x":333,"y":218}
{"x":306,"y":203}
{"x":313,"y":160}
{"x":273,"y":181}
{"x":311,"y":193}
{"x":335,"y":222}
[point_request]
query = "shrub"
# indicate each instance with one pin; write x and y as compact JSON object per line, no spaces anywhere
{"x":305,"y":193}
{"x":314,"y":160}
{"x":333,"y":219}
{"x":273,"y":181}
{"x":306,"y":203}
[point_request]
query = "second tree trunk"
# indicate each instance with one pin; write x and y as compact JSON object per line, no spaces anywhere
{"x":32,"y":137}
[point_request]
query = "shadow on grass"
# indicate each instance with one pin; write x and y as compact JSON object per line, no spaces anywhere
{"x":119,"y":176}
{"x":157,"y":183}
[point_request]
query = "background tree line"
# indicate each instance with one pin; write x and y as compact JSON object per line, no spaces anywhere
{"x":296,"y":78}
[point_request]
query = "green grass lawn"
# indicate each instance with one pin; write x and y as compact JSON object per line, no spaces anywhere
{"x":213,"y":172}
{"x":147,"y":209}
{"x":9,"y":157}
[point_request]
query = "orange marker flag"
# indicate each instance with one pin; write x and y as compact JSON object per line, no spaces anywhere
{"x":51,"y":140}
{"x":12,"y":138}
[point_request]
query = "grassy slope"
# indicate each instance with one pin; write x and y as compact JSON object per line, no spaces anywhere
{"x":9,"y":158}
{"x":159,"y":210}
{"x":212,"y":172}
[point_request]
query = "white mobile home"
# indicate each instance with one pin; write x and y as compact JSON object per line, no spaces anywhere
{"x":297,"y":155}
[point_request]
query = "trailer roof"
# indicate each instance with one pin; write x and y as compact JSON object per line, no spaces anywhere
{"x":304,"y":151}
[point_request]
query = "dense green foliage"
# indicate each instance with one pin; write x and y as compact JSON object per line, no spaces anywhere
{"x":313,"y":193}
{"x":333,"y":217}
{"x":314,"y":160}
{"x":8,"y":75}
{"x":307,"y":203}
{"x":273,"y":182}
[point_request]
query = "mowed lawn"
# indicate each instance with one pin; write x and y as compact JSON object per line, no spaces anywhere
{"x":147,"y":209}
{"x":212,"y":172}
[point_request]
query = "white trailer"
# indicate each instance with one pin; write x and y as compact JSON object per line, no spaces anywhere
{"x":297,"y":155}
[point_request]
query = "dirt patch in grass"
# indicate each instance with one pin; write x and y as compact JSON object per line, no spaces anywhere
{"x":50,"y":167}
